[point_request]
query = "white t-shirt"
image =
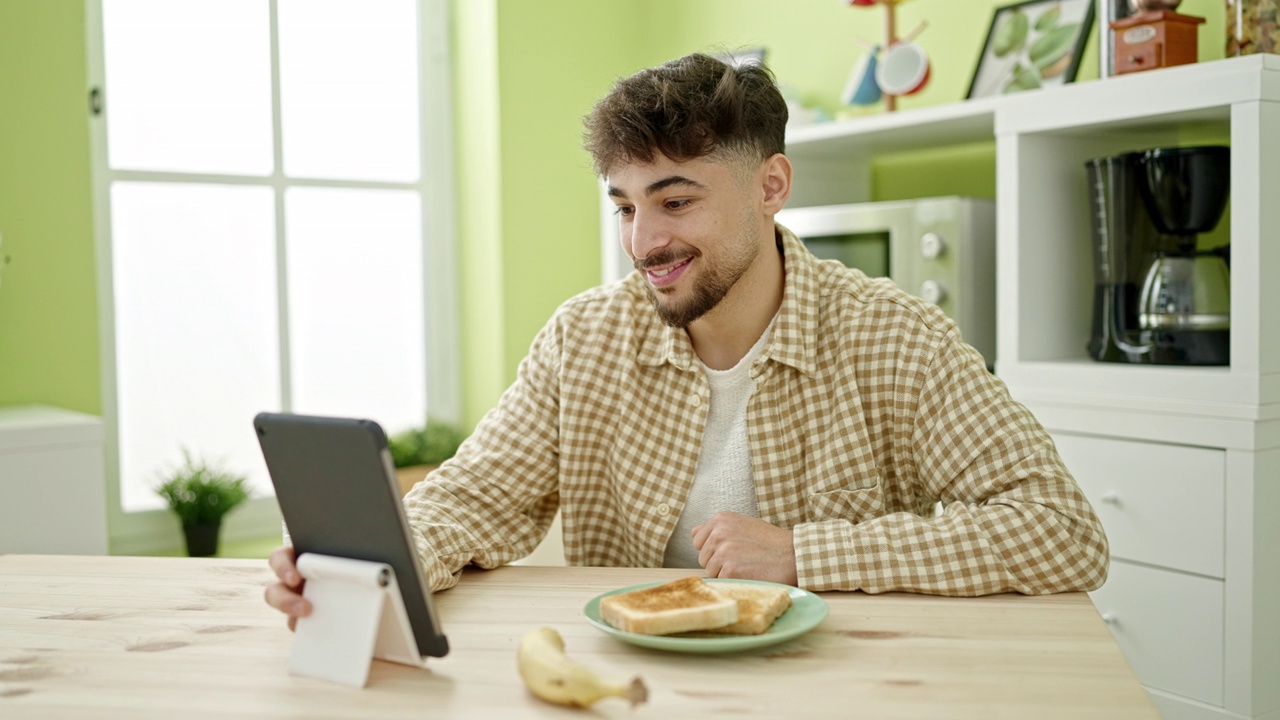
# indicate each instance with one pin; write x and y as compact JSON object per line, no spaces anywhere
{"x":724,"y":479}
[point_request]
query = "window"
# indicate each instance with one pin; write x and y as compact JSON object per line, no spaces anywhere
{"x":273,"y":213}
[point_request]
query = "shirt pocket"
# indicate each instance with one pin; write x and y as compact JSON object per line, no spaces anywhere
{"x":852,"y":504}
{"x":848,"y":480}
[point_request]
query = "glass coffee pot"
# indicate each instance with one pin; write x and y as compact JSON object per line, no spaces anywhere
{"x":1187,"y":291}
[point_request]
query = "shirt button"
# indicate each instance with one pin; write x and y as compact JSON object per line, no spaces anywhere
{"x":695,"y":399}
{"x":664,"y":510}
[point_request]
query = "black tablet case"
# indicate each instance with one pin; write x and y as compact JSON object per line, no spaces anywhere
{"x":338,"y":494}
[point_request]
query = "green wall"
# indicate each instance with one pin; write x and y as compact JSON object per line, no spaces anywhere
{"x":479,"y":224}
{"x":48,"y":284}
{"x":526,"y":74}
{"x":526,"y":71}
{"x":554,"y":61}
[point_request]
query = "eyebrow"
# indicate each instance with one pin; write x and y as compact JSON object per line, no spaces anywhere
{"x":660,"y":185}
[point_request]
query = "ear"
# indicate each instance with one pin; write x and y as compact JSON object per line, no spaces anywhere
{"x":776,"y":183}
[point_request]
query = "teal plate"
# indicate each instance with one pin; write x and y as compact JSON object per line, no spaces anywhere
{"x":806,"y":612}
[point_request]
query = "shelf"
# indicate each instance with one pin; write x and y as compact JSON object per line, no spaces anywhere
{"x":1138,"y":101}
{"x":1168,"y":388}
{"x":935,"y":126}
{"x":1142,"y":101}
{"x":832,"y":160}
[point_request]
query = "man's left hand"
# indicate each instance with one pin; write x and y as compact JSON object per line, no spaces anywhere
{"x":732,"y":545}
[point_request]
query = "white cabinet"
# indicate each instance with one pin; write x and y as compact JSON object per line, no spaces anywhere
{"x":1182,"y":463}
{"x":1161,"y":504}
{"x":52,"y":486}
{"x":1163,"y":508}
{"x":1169,"y":625}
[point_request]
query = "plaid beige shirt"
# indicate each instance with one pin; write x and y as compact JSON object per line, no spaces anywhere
{"x":868,"y":409}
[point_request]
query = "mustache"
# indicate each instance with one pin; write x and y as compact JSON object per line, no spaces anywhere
{"x":663,"y":257}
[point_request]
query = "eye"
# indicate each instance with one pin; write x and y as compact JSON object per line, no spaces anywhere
{"x":624,"y":211}
{"x":677,"y":204}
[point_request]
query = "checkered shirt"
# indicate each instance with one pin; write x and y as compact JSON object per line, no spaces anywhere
{"x":868,"y":409}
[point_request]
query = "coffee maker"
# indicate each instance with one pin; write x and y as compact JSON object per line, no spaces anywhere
{"x":1158,"y":298}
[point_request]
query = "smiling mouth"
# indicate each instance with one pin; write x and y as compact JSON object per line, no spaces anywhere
{"x":664,"y":279}
{"x":667,"y":271}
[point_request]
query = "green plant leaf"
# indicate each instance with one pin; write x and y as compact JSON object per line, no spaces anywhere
{"x":1048,"y":18}
{"x":1053,"y":70}
{"x":1011,"y":35}
{"x":201,"y":492}
{"x":404,"y":448}
{"x":1053,"y":45}
{"x":1024,"y":78}
{"x":431,"y":444}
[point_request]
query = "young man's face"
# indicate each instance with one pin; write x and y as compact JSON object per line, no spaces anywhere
{"x":693,"y":229}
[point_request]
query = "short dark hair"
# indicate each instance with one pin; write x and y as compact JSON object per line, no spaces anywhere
{"x":688,"y":108}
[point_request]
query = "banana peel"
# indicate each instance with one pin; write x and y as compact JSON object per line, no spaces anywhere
{"x":555,"y":677}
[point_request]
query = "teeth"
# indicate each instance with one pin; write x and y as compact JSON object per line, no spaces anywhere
{"x":668,"y":271}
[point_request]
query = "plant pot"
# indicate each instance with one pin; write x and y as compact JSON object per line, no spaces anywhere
{"x":412,"y":475}
{"x":202,"y":539}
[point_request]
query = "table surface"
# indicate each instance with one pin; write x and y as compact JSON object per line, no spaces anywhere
{"x":129,"y":637}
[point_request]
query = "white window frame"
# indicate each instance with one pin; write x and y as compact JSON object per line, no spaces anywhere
{"x":155,"y":530}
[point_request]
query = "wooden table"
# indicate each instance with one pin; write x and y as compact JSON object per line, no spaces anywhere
{"x":124,"y":637}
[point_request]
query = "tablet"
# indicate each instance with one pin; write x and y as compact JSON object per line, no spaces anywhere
{"x":337,"y":490}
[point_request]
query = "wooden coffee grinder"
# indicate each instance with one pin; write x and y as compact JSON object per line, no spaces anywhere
{"x":1154,"y":37}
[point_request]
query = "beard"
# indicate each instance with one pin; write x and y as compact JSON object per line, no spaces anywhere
{"x":710,"y":288}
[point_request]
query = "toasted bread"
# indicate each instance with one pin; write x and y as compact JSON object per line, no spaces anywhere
{"x":674,"y":607}
{"x":758,"y":606}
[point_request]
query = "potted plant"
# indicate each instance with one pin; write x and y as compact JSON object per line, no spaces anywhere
{"x":200,"y":494}
{"x":418,"y":451}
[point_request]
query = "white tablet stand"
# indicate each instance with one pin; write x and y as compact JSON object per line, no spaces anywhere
{"x":356,"y":615}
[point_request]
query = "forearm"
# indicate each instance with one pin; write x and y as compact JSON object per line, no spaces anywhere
{"x":1014,"y":519}
{"x":970,"y":550}
{"x":457,"y":520}
{"x":495,"y":499}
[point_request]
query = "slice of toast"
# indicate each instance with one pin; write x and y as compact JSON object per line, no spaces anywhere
{"x":674,"y":607}
{"x":758,"y":606}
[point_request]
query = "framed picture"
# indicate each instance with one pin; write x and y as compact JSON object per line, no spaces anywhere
{"x":1032,"y":44}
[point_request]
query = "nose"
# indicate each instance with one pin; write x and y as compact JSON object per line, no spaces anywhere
{"x":643,"y":235}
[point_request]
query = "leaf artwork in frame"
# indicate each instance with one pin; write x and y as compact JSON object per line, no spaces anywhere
{"x":1031,"y":45}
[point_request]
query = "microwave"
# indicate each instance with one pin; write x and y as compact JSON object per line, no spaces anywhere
{"x":941,"y":249}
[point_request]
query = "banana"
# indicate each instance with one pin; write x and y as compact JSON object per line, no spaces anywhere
{"x":554,"y":677}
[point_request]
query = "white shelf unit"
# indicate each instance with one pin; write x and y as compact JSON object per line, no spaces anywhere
{"x":1182,"y":464}
{"x":1043,"y":221}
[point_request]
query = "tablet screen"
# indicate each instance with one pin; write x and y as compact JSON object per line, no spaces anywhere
{"x":337,"y":491}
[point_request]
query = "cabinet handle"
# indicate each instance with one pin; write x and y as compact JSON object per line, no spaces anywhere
{"x":1111,"y":497}
{"x":1110,"y":619}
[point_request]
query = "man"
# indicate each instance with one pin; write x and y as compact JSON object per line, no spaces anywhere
{"x":739,"y":406}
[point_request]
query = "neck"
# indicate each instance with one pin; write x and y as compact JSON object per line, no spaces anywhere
{"x":722,"y":337}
